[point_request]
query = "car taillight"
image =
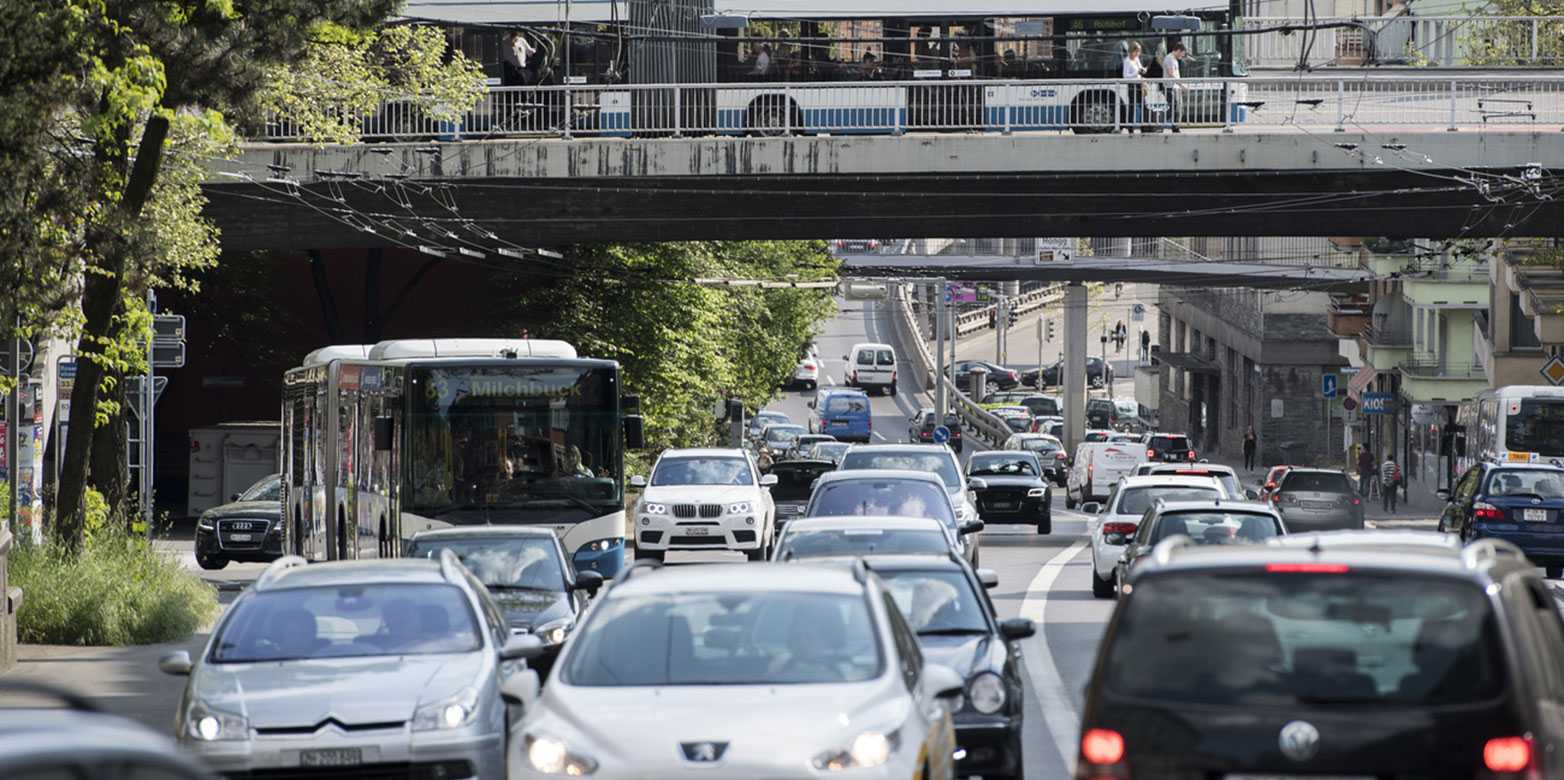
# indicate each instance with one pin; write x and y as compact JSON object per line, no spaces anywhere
{"x":1356,"y":501}
{"x":1485,"y":511}
{"x":1276,"y":498}
{"x":1507,"y":754}
{"x":855,"y":376}
{"x":809,"y":366}
{"x":1307,"y":568}
{"x":1151,"y":453}
{"x":1103,"y":747}
{"x":1192,"y":455}
{"x":1118,"y":528}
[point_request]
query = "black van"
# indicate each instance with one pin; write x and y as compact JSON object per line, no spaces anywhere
{"x":1386,"y":654}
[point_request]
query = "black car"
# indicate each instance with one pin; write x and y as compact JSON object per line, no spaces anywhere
{"x":1102,"y":413}
{"x":795,"y":481}
{"x":946,"y":603}
{"x":1353,"y":654}
{"x":1170,"y":448}
{"x":999,"y":377}
{"x":1520,"y":503}
{"x":1098,"y":374}
{"x":247,"y":528}
{"x":920,"y":428}
{"x":1014,"y":488}
{"x":527,"y":572}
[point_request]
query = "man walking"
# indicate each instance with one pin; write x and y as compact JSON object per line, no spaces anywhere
{"x":1170,"y":71}
{"x":1249,"y":444}
{"x":1389,"y":481}
{"x":1365,"y":471}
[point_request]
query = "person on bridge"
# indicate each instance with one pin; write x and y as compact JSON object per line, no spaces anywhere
{"x":1133,"y":70}
{"x":1170,"y":71}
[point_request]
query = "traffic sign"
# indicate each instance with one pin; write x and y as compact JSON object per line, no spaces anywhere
{"x":1378,"y":403}
{"x":1328,"y":385}
{"x":1138,"y":313}
{"x":1349,"y":403}
{"x":941,"y":435}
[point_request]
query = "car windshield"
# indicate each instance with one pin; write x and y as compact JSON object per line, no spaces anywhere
{"x":343,"y":621}
{"x":1269,"y":639}
{"x":929,"y":462}
{"x":1538,"y":427}
{"x":1530,"y":483}
{"x":1005,"y":465}
{"x":1316,"y":482}
{"x":1041,"y":445}
{"x":1042,"y":407}
{"x":884,"y":498}
{"x":831,"y":450}
{"x":936,"y":602}
{"x":780,"y":434}
{"x":795,"y":480}
{"x":501,"y":562}
{"x":847,"y":404}
{"x":853,"y":542}
{"x":702,"y":471}
{"x":768,"y":418}
{"x":1229,"y":482}
{"x":729,"y":638}
{"x":1217,"y":527}
{"x":269,"y":489}
{"x":1136,"y":500}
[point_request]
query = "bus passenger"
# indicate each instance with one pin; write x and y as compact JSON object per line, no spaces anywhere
{"x":762,"y":65}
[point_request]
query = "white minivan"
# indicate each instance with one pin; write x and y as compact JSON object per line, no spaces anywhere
{"x":871,"y":367}
{"x":1097,"y":468}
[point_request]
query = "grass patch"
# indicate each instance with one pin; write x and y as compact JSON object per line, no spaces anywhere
{"x":117,"y":591}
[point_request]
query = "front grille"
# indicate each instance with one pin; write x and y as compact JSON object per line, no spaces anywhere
{"x":287,"y":730}
{"x":702,"y":541}
{"x":683,"y":510}
{"x":422,"y":770}
{"x":651,"y":537}
{"x":743,"y":536}
{"x":254,"y":527}
{"x":711,"y":510}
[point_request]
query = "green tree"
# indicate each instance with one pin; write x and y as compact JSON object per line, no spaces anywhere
{"x":1501,"y":42}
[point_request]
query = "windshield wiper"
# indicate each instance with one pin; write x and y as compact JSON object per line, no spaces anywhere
{"x":952,"y":631}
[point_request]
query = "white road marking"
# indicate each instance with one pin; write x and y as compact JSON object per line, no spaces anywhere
{"x":1052,"y":696}
{"x":880,"y":436}
{"x":830,"y":380}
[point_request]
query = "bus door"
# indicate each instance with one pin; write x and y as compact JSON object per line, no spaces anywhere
{"x":946,"y":61}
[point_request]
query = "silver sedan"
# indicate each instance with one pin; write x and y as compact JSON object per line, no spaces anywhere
{"x":354,"y":667}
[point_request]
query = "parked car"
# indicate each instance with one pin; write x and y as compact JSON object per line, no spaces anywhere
{"x":704,"y":499}
{"x":1204,"y":522}
{"x":1318,"y":500}
{"x":381,"y":666}
{"x":742,"y":671}
{"x":871,"y":367}
{"x":1098,"y":374}
{"x":920,"y":428}
{"x":1118,"y":518}
{"x":842,"y":412}
{"x":247,"y":528}
{"x":526,"y":571}
{"x":1522,"y":504}
{"x":56,"y":734}
{"x":1049,"y":451}
{"x":1286,"y":660}
{"x":999,"y":377}
{"x":1015,"y":490}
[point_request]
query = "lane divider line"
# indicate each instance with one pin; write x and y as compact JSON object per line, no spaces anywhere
{"x":1053,"y":699}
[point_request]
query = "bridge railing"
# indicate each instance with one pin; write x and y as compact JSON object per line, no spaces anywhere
{"x":974,"y":418}
{"x":1445,"y":41}
{"x":992,"y":106}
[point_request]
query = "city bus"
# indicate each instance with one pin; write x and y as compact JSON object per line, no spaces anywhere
{"x":387,"y":440}
{"x":856,"y":66}
{"x":1517,"y":423}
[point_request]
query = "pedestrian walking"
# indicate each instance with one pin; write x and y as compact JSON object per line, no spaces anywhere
{"x":1133,"y":70}
{"x":1170,"y":72}
{"x":1390,"y":480}
{"x":1250,"y":440}
{"x":1365,"y":471}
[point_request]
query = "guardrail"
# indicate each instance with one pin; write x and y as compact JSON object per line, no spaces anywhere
{"x":973,"y":417}
{"x":978,"y":319}
{"x":1497,"y":41}
{"x":973,"y":105}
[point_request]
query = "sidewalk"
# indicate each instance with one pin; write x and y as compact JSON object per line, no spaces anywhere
{"x":123,"y":681}
{"x":1418,"y":507}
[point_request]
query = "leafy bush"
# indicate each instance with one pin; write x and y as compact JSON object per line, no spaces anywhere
{"x":118,"y":590}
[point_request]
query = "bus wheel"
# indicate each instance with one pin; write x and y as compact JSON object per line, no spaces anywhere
{"x":1094,"y":112}
{"x":774,"y":117}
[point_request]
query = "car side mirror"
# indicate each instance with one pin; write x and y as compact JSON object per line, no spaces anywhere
{"x":176,"y":663}
{"x":521,"y":688}
{"x":638,"y":481}
{"x":941,"y":682}
{"x":233,"y":496}
{"x":385,"y":433}
{"x":1091,"y":508}
{"x":521,"y":647}
{"x":589,"y":581}
{"x":1017,"y":628}
{"x":977,"y":484}
{"x":768,"y":480}
{"x":1252,"y":494}
{"x":844,"y":357}
{"x":989,"y":578}
{"x":1443,"y":494}
{"x":970,"y":527}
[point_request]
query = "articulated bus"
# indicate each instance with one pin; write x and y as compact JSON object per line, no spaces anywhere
{"x":807,"y":66}
{"x":1518,"y":423}
{"x":384,"y":441}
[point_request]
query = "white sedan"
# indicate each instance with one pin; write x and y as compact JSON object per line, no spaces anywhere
{"x":704,"y":499}
{"x":1119,"y":517}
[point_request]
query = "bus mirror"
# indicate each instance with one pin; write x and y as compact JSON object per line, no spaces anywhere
{"x":1460,"y":446}
{"x":385,"y":431}
{"x":635,"y":432}
{"x":630,"y":404}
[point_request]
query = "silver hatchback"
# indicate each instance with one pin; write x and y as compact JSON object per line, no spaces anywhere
{"x":356,"y":668}
{"x":1318,"y":500}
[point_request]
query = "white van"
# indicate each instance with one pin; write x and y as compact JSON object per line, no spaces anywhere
{"x":871,"y":367}
{"x":1097,"y":468}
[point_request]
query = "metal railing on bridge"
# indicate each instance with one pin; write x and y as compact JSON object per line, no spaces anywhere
{"x":1306,"y":103}
{"x":1445,"y":41}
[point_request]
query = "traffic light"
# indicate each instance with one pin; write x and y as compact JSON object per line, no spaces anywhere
{"x":993,"y":319}
{"x":1050,"y":335}
{"x":1012,"y":320}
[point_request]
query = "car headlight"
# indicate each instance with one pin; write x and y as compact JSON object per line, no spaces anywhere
{"x":209,"y":724}
{"x":554,"y":631}
{"x":551,"y":757}
{"x":986,"y":693}
{"x":869,"y":749}
{"x":961,"y":513}
{"x":741,"y":508}
{"x":451,"y":713}
{"x":1037,"y":492}
{"x":600,"y":545}
{"x":654,"y":509}
{"x":206,"y":523}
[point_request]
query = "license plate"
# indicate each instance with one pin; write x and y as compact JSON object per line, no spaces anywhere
{"x":697,"y":531}
{"x":247,"y":537}
{"x":1534,"y":515}
{"x":334,"y":757}
{"x":1321,"y":505}
{"x":1003,"y":505}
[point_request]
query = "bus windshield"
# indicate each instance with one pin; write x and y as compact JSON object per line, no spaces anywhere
{"x":523,"y":437}
{"x":1539,"y":427}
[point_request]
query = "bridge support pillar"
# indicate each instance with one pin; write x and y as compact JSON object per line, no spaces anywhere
{"x":1073,"y":371}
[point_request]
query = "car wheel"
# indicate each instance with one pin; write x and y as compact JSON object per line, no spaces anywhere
{"x":211,"y":564}
{"x":1101,"y":588}
{"x":1046,"y":525}
{"x":651,"y":555}
{"x":1555,"y":572}
{"x":757,"y":554}
{"x":893,"y":391}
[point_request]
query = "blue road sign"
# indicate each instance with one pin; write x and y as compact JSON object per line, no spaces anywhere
{"x":1328,"y":385}
{"x":941,"y":435}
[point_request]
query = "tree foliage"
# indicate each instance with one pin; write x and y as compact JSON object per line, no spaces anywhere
{"x":1510,"y":42}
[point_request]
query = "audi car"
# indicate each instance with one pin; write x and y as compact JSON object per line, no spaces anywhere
{"x":247,"y":528}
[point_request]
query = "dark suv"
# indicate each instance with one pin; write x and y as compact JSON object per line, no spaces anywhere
{"x":1170,"y":448}
{"x":920,"y":429}
{"x":1358,"y":654}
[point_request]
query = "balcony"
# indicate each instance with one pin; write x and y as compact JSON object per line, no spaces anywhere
{"x":1348,"y":316}
{"x":1536,"y":274}
{"x":1465,"y":286}
{"x":1385,"y":348}
{"x":1427,"y":379}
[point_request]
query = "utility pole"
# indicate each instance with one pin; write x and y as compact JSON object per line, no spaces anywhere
{"x":1073,"y":369}
{"x":1001,"y":327}
{"x":940,"y":308}
{"x":1041,"y":315}
{"x":13,"y":414}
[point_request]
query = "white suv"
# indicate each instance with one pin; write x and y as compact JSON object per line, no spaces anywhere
{"x":1119,"y":517}
{"x":704,"y":499}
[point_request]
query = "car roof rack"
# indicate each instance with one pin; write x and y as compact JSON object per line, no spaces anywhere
{"x":279,"y":566}
{"x":1484,"y":553}
{"x":639,"y":566}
